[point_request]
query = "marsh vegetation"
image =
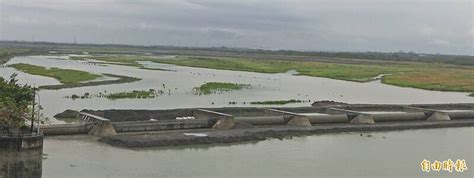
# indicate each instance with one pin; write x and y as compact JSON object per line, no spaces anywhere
{"x":422,"y":75}
{"x":214,"y":87}
{"x":135,"y":94}
{"x":151,"y":93}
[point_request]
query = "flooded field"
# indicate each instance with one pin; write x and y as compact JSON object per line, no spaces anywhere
{"x":379,"y":154}
{"x":178,"y":84}
{"x":390,"y":154}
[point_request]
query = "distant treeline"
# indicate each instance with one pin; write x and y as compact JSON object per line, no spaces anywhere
{"x":134,"y":49}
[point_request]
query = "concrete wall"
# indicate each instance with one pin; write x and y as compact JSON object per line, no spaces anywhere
{"x":64,"y":129}
{"x":461,"y":115}
{"x":21,"y":156}
{"x":140,"y":126}
{"x":399,"y":117}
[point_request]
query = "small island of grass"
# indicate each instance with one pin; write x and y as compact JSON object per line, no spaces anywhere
{"x":151,"y":93}
{"x":472,"y":94}
{"x":213,"y":87}
{"x":65,"y":76}
{"x":277,"y":102}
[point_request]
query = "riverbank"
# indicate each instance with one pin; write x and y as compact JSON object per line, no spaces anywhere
{"x":208,"y":136}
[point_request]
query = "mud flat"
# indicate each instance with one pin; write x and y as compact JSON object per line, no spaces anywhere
{"x":208,"y":136}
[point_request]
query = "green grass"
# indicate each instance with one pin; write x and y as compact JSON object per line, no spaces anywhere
{"x":121,"y":79}
{"x":213,"y":87}
{"x":7,"y":53}
{"x":133,"y":94}
{"x":429,"y":76}
{"x":277,"y":102}
{"x":440,"y":77}
{"x":472,"y":94}
{"x":65,"y":76}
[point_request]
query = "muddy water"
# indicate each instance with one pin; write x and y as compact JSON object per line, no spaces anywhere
{"x":384,"y":154}
{"x":180,"y":81}
{"x":390,"y":154}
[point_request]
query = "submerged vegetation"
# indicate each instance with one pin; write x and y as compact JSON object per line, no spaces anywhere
{"x":65,"y":76}
{"x":213,"y":87}
{"x":151,"y":93}
{"x":126,"y":60}
{"x":277,"y":102}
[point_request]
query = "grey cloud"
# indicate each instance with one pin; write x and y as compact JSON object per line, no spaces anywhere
{"x":434,"y":26}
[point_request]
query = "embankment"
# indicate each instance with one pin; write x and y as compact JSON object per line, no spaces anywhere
{"x":195,"y":137}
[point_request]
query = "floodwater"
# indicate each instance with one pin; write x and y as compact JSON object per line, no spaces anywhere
{"x":178,"y":85}
{"x":383,"y":154}
{"x":388,"y":154}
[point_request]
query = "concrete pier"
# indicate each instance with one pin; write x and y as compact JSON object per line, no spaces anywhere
{"x":21,"y":156}
{"x":223,"y":121}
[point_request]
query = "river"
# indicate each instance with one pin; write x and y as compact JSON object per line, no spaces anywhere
{"x":388,"y":154}
{"x":384,"y":154}
{"x":180,"y":81}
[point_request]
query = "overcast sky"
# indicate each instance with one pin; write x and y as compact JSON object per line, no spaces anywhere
{"x":432,"y":26}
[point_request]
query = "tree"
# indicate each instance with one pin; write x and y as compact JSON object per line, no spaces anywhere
{"x":15,"y":100}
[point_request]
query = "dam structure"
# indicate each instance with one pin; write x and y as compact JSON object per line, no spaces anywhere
{"x":223,"y":125}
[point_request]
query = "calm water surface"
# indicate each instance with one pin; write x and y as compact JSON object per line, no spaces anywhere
{"x":385,"y":154}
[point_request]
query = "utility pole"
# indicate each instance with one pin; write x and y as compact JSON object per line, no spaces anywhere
{"x":33,"y":110}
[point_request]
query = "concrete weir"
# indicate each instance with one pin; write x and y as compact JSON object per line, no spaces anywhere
{"x":107,"y":123}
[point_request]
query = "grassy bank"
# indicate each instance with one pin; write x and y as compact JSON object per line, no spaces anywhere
{"x":276,"y":102}
{"x":133,"y":94}
{"x":213,"y":87}
{"x":121,"y":79}
{"x":7,"y":53}
{"x":65,"y":76}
